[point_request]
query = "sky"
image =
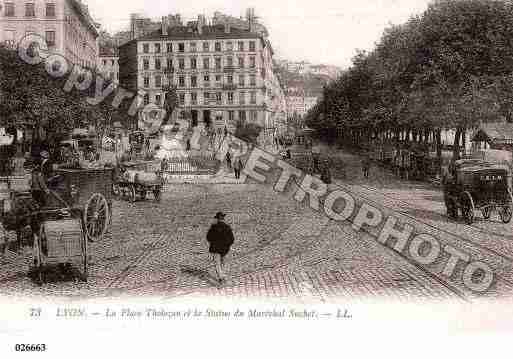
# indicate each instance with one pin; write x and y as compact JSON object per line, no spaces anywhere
{"x":318,"y":31}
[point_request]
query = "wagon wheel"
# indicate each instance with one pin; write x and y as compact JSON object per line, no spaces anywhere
{"x":96,"y":216}
{"x":487,"y":212}
{"x":132,"y":196}
{"x":468,"y":208}
{"x":157,"y":194}
{"x":506,"y":214}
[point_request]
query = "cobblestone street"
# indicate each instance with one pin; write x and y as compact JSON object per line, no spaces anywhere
{"x":282,"y":250}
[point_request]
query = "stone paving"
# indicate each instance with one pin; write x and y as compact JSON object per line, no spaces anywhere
{"x":282,"y":250}
{"x":421,"y":205}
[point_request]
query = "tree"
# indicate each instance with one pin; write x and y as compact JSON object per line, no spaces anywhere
{"x":448,"y":68}
{"x":248,"y":132}
{"x":32,"y":99}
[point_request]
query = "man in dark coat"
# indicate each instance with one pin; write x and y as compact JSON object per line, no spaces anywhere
{"x":229,"y":160}
{"x":366,"y":163}
{"x":237,"y":167}
{"x":220,"y":237}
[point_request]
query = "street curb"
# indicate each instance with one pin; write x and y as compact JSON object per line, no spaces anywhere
{"x":202,"y":179}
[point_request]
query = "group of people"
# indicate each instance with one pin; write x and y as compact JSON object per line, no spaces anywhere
{"x":73,"y":157}
{"x":237,"y":165}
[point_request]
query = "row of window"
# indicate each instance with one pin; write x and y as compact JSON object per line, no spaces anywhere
{"x":50,"y":37}
{"x":180,"y":47}
{"x":193,"y":63}
{"x":111,"y":62}
{"x":30,"y":9}
{"x":158,"y":80}
{"x":208,"y":98}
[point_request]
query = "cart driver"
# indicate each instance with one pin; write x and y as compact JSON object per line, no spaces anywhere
{"x":46,"y":167}
{"x":39,"y":188}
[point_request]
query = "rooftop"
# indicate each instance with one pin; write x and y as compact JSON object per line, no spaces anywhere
{"x":83,"y":12}
{"x":208,"y":32}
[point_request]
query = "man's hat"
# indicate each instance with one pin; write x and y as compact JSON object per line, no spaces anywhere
{"x":44,"y":154}
{"x":220,"y":215}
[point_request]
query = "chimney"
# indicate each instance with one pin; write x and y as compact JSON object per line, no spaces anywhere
{"x":201,"y":23}
{"x":250,"y":17}
{"x":164,"y":25}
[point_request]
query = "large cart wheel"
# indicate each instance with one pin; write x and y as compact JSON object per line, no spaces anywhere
{"x":506,"y":214}
{"x":96,"y":216}
{"x":468,"y":208}
{"x":132,"y":195}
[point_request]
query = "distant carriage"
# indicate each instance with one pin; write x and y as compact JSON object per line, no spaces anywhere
{"x":476,"y":185}
{"x":136,"y":184}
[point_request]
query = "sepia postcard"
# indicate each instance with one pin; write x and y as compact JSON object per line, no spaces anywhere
{"x":250,"y":179}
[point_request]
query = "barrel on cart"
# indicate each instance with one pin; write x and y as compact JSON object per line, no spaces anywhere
{"x":61,"y":241}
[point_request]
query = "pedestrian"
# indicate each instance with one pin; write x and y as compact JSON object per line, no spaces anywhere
{"x":46,"y":167}
{"x":237,"y":167}
{"x":220,"y":238}
{"x":163,"y":165}
{"x":188,"y":145}
{"x":326,"y":173}
{"x":229,"y":160}
{"x":38,"y":187}
{"x":365,"y":167}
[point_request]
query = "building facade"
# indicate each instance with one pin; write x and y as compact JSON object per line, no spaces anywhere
{"x":223,"y":74}
{"x":108,"y":65}
{"x":66,"y":25}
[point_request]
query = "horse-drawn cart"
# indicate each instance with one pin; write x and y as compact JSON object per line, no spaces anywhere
{"x":135,"y":184}
{"x":76,"y":210}
{"x":477,"y":185}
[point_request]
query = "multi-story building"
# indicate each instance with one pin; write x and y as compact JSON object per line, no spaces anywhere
{"x":223,"y":74}
{"x":66,"y":25}
{"x":108,"y":64}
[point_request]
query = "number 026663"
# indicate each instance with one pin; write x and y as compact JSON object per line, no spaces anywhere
{"x":30,"y":347}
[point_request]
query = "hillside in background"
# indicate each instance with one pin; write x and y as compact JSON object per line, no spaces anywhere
{"x":302,"y":78}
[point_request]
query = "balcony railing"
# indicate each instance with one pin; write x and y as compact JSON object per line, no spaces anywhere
{"x":230,"y":87}
{"x":228,"y":69}
{"x":169,"y":70}
{"x":211,"y":101}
